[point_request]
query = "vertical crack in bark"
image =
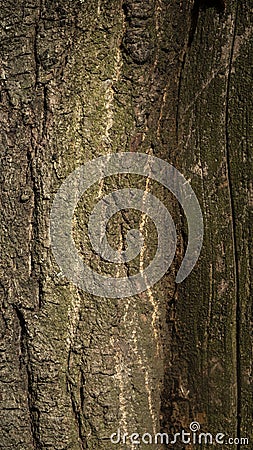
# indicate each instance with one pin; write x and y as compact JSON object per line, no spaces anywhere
{"x":45,"y":111}
{"x":25,"y":355}
{"x":192,"y":28}
{"x":77,"y":404}
{"x":234,"y":237}
{"x":35,"y":221}
{"x":37,"y":139}
{"x":194,"y":21}
{"x":35,"y":45}
{"x":77,"y":407}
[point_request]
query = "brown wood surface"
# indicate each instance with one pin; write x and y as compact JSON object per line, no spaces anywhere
{"x":80,"y":79}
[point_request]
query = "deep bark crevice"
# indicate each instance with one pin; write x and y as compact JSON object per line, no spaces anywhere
{"x":26,"y":364}
{"x":234,"y":233}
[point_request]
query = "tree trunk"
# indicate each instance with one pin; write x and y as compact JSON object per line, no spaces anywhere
{"x":81,"y":79}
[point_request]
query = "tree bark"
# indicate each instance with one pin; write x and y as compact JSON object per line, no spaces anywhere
{"x":80,"y":79}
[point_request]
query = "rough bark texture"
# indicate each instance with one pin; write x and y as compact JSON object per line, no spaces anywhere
{"x":84,"y":78}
